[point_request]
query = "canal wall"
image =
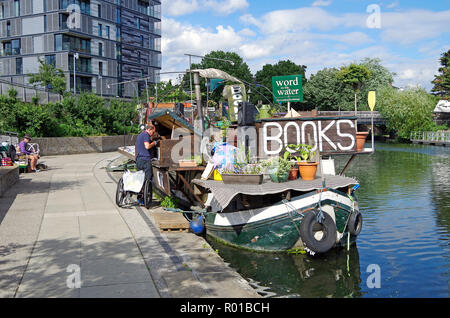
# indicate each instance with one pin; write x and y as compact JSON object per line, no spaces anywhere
{"x":51,"y":146}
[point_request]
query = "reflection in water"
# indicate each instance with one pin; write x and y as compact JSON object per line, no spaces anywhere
{"x":405,"y":201}
{"x":336,"y":274}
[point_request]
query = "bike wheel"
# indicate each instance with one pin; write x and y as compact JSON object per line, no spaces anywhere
{"x":120,"y":193}
{"x":148,"y":193}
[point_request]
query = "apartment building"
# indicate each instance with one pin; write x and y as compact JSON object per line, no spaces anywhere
{"x":112,"y":41}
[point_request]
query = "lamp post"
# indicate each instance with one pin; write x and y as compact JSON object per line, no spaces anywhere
{"x":75,"y":58}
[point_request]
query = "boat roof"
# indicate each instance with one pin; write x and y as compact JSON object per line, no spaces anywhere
{"x":170,"y":120}
{"x":225,"y":193}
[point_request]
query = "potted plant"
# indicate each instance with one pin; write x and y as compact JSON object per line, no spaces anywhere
{"x":291,"y":149}
{"x":243,"y":174}
{"x":361,"y":140}
{"x":279,"y":169}
{"x":306,"y":166}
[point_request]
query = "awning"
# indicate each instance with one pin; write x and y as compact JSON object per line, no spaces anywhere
{"x":225,"y":193}
{"x":215,"y":73}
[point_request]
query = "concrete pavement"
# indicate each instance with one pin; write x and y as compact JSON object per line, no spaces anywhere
{"x":61,"y":235}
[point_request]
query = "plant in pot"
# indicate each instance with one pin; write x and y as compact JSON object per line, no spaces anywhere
{"x":291,"y":149}
{"x":306,"y":166}
{"x":361,"y":140}
{"x":279,"y":170}
{"x":242,"y":171}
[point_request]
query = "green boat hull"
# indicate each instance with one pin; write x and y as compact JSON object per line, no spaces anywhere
{"x":275,"y":234}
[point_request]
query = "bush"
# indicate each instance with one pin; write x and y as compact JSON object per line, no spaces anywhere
{"x":407,"y":111}
{"x":84,"y":115}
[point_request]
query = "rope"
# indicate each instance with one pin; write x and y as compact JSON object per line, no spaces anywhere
{"x":290,"y":209}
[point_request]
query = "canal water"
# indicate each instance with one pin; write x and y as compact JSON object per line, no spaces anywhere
{"x":403,"y":249}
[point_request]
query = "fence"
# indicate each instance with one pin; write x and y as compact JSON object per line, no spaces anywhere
{"x":26,"y":93}
{"x":431,"y":137}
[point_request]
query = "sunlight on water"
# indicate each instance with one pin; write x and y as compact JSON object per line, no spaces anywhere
{"x":405,"y":201}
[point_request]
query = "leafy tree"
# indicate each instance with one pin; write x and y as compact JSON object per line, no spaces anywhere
{"x":354,"y":76}
{"x":264,"y":77}
{"x":380,"y":77}
{"x":50,"y":77}
{"x":325,"y":91}
{"x":407,"y":111}
{"x":441,"y":81}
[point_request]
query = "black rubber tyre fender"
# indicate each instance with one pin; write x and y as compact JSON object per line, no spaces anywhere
{"x":120,"y":193}
{"x":310,"y":226}
{"x":355,"y":223}
{"x":148,"y":193}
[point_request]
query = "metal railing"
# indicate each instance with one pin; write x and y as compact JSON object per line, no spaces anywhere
{"x":430,"y":136}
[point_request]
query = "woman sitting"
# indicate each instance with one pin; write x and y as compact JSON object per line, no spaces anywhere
{"x":24,"y":151}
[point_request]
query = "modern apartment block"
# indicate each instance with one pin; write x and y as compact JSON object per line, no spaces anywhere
{"x":115,"y":41}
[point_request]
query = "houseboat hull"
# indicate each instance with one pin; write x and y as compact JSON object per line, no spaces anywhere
{"x":278,"y":227}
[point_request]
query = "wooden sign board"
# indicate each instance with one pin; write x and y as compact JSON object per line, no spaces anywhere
{"x":329,"y":135}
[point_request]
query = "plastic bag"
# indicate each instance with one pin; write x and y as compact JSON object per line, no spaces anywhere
{"x":133,"y":181}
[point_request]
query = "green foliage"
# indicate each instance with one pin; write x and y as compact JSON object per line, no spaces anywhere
{"x":407,"y":111}
{"x":353,"y":75}
{"x":441,"y":81}
{"x":50,"y":77}
{"x":325,"y":91}
{"x":84,"y":115}
{"x":169,"y":202}
{"x":306,"y":152}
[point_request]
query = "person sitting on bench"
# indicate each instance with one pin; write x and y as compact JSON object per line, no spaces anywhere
{"x":31,"y":156}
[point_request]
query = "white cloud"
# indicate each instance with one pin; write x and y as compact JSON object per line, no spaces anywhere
{"x":321,"y":3}
{"x":176,"y":8}
{"x":179,"y":7}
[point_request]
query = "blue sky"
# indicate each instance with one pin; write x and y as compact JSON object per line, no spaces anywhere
{"x":408,"y":36}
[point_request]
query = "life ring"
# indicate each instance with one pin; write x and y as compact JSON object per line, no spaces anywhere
{"x":318,"y":237}
{"x":355,"y":223}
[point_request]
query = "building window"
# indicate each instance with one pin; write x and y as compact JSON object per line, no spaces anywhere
{"x":107,"y":31}
{"x":139,"y":57}
{"x":2,"y":11}
{"x":58,"y":42}
{"x":138,"y":23}
{"x":100,"y":29}
{"x":100,"y":68}
{"x":100,"y":49}
{"x":99,"y":9}
{"x":118,"y":31}
{"x":141,"y":38}
{"x":50,"y":59}
{"x":8,"y":28}
{"x":16,"y":8}
{"x":19,"y":69}
{"x":45,"y":23}
{"x":63,"y":21}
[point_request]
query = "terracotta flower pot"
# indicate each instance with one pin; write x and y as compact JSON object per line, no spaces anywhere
{"x":293,"y":173}
{"x":308,"y":170}
{"x":361,"y":140}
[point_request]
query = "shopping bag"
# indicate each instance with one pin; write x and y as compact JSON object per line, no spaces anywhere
{"x":133,"y":181}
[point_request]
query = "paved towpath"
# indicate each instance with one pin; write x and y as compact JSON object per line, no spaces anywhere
{"x":60,"y":227}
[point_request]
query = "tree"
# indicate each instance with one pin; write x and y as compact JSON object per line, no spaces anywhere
{"x":380,"y":77}
{"x":264,"y":77}
{"x":354,"y":76}
{"x":441,"y":81}
{"x":407,"y":111}
{"x":325,"y":91}
{"x":50,"y":77}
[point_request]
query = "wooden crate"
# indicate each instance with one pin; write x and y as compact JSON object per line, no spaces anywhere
{"x":171,"y":222}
